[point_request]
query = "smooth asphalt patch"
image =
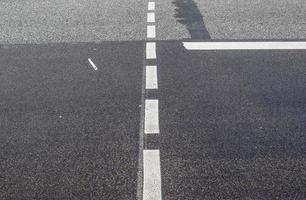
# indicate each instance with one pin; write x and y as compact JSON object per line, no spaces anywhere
{"x":232,"y":123}
{"x":68,"y":131}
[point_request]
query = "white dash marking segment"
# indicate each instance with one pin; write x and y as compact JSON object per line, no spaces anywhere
{"x":151,"y":50}
{"x":151,"y":32}
{"x":269,"y":45}
{"x":151,"y":116}
{"x":151,"y":17}
{"x":151,"y":6}
{"x":92,"y":64}
{"x":152,"y":175}
{"x":151,"y":77}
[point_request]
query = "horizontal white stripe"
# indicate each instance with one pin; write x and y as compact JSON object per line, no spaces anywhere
{"x":151,"y":77}
{"x":151,"y":50}
{"x":272,"y":45}
{"x":151,"y":17}
{"x":151,"y":116}
{"x":151,"y":6}
{"x":151,"y":31}
{"x":152,"y":175}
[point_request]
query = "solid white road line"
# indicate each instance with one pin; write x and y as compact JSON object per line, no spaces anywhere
{"x":151,"y":17}
{"x":151,"y":33}
{"x":272,"y":45}
{"x":151,"y":50}
{"x":152,"y":175}
{"x":151,"y":116}
{"x":92,"y":64}
{"x":151,"y":77}
{"x":151,"y":6}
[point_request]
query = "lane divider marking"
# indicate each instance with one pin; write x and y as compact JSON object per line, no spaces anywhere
{"x":151,"y":17}
{"x":150,"y":165}
{"x":92,"y":64}
{"x":268,"y":45}
{"x":151,"y":116}
{"x":151,"y":50}
{"x":152,"y":175}
{"x":151,"y":5}
{"x":151,"y":77}
{"x":151,"y":32}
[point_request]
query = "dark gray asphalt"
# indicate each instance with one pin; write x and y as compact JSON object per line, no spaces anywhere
{"x":67,"y":131}
{"x":232,"y":123}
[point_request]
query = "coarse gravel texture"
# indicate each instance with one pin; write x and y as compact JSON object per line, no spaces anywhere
{"x":50,"y":21}
{"x":254,"y":19}
{"x":232,"y":19}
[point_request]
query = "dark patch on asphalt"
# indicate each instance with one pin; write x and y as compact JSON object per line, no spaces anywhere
{"x":152,"y":141}
{"x":66,"y":130}
{"x":188,"y":13}
{"x":232,"y":123}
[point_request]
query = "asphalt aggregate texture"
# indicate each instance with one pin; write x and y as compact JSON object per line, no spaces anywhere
{"x":232,"y":123}
{"x":57,"y":21}
{"x":231,"y":19}
{"x":254,"y":19}
{"x":68,"y":131}
{"x":50,"y":21}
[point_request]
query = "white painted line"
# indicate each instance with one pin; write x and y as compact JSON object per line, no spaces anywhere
{"x":151,"y":116}
{"x":151,"y":33}
{"x":152,"y":175}
{"x":92,"y":64}
{"x":272,"y":45}
{"x":151,"y":77}
{"x":151,"y":17}
{"x":151,"y":50}
{"x":151,"y":6}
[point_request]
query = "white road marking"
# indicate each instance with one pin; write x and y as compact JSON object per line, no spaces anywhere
{"x":152,"y":175}
{"x":151,"y":33}
{"x":151,"y":50}
{"x":272,"y":45}
{"x":151,"y":77}
{"x":151,"y":179}
{"x":151,"y":17}
{"x":151,"y":6}
{"x":92,"y":64}
{"x":151,"y":116}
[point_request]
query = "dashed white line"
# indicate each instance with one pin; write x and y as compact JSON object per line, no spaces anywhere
{"x":151,"y":17}
{"x":151,"y":6}
{"x":151,"y":77}
{"x":92,"y":64}
{"x":272,"y":45}
{"x":151,"y":33}
{"x":152,"y":175}
{"x":151,"y":116}
{"x":151,"y":188}
{"x":151,"y":50}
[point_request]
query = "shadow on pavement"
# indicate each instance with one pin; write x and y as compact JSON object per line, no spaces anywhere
{"x":187,"y":13}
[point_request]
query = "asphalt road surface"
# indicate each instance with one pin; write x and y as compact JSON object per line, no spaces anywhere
{"x":232,"y":123}
{"x":67,"y":130}
{"x":101,"y":100}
